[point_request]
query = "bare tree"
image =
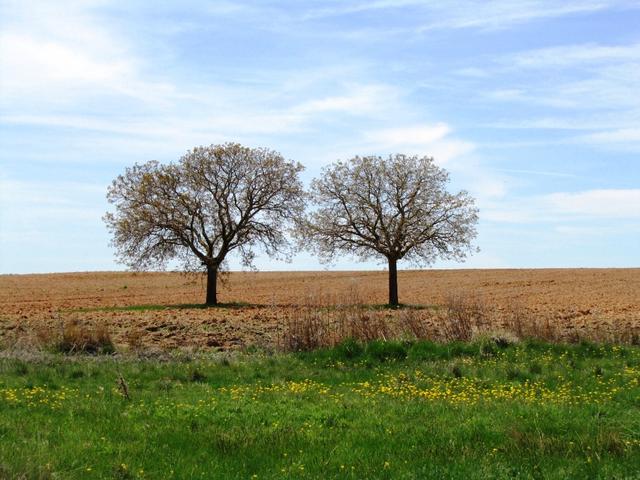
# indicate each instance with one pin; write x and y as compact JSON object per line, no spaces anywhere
{"x":216,"y":199}
{"x":396,"y":208}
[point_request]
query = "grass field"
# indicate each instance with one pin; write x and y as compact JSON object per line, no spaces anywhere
{"x":482,"y":374}
{"x":381,"y":410}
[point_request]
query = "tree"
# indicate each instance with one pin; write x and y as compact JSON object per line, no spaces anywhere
{"x":396,"y":208}
{"x":216,"y":199}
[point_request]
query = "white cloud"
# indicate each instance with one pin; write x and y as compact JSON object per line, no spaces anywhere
{"x":543,"y":173}
{"x":591,"y":87}
{"x":60,"y":56}
{"x":359,"y":100}
{"x":503,"y":14}
{"x":437,"y":141}
{"x":31,"y":63}
{"x":593,"y":121}
{"x":411,"y":135}
{"x":598,"y":205}
{"x":211,"y":118}
{"x":608,"y":76}
{"x":170,"y":128}
{"x":533,"y":95}
{"x":619,"y":136}
{"x":572,"y":55}
{"x":52,"y":67}
{"x":472,"y":14}
{"x":472,"y":72}
{"x":604,"y":203}
{"x":52,"y":226}
{"x":583,"y":231}
{"x":420,"y":139}
{"x":33,"y":202}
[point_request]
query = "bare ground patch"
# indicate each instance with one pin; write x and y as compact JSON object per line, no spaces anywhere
{"x":162,"y":311}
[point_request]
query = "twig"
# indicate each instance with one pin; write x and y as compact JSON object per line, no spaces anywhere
{"x":124,"y":388}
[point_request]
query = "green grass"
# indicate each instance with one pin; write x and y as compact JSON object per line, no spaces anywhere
{"x":234,"y":305}
{"x":152,"y":307}
{"x":382,"y":410}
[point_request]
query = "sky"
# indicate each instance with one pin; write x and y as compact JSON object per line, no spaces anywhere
{"x":533,"y":106}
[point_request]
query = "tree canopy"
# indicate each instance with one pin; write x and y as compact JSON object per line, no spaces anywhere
{"x":393,"y":208}
{"x":215,"y":200}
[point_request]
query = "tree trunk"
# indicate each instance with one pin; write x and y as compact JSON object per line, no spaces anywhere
{"x":393,"y":282}
{"x":212,"y":284}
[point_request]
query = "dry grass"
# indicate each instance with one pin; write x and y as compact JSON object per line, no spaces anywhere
{"x":327,"y":320}
{"x":463,"y":317}
{"x":74,"y":337}
{"x":79,"y":338}
{"x":312,"y":328}
{"x":134,"y":339}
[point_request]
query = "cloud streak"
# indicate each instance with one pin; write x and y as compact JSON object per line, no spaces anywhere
{"x":567,"y":207}
{"x":472,"y":15}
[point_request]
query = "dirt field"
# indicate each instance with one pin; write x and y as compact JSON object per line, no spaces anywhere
{"x":606,"y":299}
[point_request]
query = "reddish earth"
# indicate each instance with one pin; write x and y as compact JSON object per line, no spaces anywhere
{"x":605,"y":299}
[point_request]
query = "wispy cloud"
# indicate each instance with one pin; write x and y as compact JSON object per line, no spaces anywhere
{"x":621,"y":137}
{"x":439,"y":141}
{"x":567,"y":207}
{"x":52,"y":226}
{"x":410,"y":135}
{"x":571,"y":55}
{"x":608,"y":203}
{"x":504,"y":14}
{"x":51,"y":78}
{"x":422,"y":139}
{"x":587,"y":86}
{"x":57,"y":57}
{"x":470,"y":14}
{"x":31,"y":208}
{"x":542,"y":173}
{"x":359,"y":100}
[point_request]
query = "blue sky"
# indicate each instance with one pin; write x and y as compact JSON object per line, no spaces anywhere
{"x":533,"y":106}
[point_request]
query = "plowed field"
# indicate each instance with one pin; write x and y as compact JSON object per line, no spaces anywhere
{"x":259,"y":302}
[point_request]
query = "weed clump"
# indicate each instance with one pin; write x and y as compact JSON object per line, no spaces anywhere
{"x":77,"y":338}
{"x":464,"y":316}
{"x":197,"y":376}
{"x":350,"y":349}
{"x":535,"y":368}
{"x":457,"y":372}
{"x":312,"y":327}
{"x":386,"y":351}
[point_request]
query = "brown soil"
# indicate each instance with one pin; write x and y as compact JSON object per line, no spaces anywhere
{"x":37,"y":305}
